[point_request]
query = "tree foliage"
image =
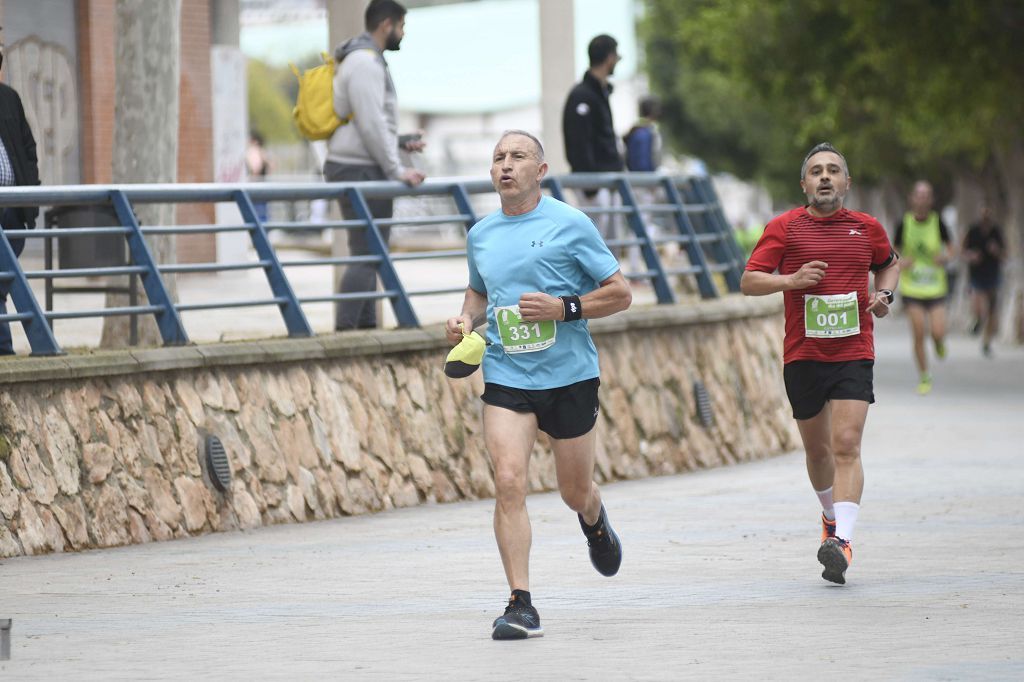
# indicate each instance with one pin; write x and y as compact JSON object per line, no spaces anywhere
{"x":904,"y":88}
{"x":908,"y":89}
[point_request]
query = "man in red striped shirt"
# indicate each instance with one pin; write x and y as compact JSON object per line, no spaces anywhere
{"x":819,"y":256}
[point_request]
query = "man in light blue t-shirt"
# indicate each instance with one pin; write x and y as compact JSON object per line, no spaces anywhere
{"x":538,"y":269}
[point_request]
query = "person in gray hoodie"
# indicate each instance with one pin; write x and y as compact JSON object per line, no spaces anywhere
{"x":366,"y":146}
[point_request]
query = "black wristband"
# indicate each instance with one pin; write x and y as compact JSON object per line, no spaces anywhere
{"x":571,"y":307}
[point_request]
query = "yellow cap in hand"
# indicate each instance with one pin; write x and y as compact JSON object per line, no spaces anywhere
{"x":466,"y":357}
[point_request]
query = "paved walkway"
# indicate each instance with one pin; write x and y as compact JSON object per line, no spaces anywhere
{"x":719,"y":579}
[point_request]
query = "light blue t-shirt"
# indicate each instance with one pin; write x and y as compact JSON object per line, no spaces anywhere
{"x":554,"y":249}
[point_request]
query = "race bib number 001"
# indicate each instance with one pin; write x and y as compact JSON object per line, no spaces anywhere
{"x":518,"y":336}
{"x":831,"y":317}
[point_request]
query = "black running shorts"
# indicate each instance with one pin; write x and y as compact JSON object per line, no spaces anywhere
{"x":926,"y":303}
{"x":810,"y":384}
{"x":564,"y":412}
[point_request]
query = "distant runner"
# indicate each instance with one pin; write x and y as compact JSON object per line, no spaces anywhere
{"x":923,"y":242}
{"x":984,"y":251}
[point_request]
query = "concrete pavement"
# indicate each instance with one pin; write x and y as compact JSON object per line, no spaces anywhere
{"x":719,"y":578}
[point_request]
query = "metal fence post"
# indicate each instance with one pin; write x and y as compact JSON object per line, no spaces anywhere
{"x":404,"y":313}
{"x":172,"y":331}
{"x":706,"y":193}
{"x":636,"y":221}
{"x":694,"y":250}
{"x":555,"y":187}
{"x":461,"y":198}
{"x":37,"y":329}
{"x":294,"y":319}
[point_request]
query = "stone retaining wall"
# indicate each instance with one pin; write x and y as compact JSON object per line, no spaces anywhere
{"x":105,"y":449}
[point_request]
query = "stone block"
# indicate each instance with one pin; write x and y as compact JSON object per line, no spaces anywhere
{"x":189,"y":399}
{"x":244,"y":506}
{"x":190,"y":492}
{"x":109,"y":518}
{"x":98,"y":459}
{"x":165,"y":507}
{"x":296,"y":502}
{"x":61,"y":448}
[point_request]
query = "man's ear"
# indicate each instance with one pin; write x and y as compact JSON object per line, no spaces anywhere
{"x":542,"y":170}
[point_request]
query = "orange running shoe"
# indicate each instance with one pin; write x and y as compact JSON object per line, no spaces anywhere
{"x":836,"y":555}
{"x":828,"y":528}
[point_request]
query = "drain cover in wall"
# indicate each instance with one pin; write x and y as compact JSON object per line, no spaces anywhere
{"x":703,"y":400}
{"x":217,"y":463}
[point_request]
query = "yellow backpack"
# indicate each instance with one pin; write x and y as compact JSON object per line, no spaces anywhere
{"x":314,"y":107}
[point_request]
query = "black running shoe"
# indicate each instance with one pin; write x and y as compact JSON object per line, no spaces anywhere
{"x":836,"y":555}
{"x":519,"y":621}
{"x":605,"y":548}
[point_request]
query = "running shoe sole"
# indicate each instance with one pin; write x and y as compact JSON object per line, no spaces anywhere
{"x":831,"y":556}
{"x":505,"y":630}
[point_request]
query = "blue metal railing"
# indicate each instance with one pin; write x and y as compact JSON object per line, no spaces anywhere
{"x":689,"y":205}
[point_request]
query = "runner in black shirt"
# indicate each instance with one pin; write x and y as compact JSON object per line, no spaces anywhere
{"x":984,"y":250}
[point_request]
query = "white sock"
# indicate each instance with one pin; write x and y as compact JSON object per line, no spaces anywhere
{"x":846,"y":519}
{"x":825,"y":496}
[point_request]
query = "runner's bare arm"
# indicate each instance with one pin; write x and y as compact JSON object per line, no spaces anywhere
{"x":612,"y":296}
{"x":884,"y":279}
{"x":474,"y":311}
{"x":756,"y":283}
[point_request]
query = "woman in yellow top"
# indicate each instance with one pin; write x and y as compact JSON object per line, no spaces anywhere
{"x":925,"y":247}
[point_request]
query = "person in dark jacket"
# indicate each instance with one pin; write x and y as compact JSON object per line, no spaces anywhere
{"x":591,"y":145}
{"x":18,"y":166}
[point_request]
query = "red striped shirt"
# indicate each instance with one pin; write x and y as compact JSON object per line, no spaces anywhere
{"x":851,"y":243}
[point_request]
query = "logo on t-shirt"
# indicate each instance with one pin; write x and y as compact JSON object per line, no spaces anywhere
{"x":855,"y":232}
{"x":535,"y":243}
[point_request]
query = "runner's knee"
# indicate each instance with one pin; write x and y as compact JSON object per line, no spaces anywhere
{"x":818,"y":454}
{"x":846,"y":445}
{"x":509,"y":485}
{"x":576,"y":495}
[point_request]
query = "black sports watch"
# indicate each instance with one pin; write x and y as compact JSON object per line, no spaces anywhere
{"x":889,"y":296}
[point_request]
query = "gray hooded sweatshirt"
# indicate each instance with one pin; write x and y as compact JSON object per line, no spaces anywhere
{"x":363,"y":90}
